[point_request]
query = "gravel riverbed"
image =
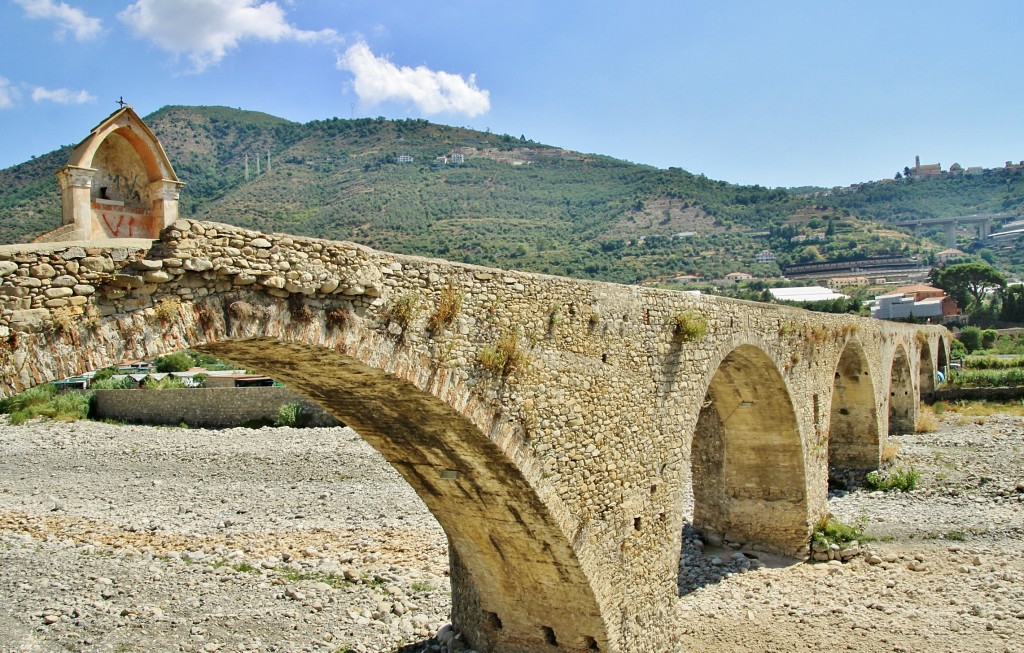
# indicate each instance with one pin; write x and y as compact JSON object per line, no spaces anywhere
{"x":130,"y":538}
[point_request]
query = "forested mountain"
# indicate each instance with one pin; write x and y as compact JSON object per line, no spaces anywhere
{"x":492,"y":199}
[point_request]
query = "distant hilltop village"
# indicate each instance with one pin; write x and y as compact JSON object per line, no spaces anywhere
{"x":935,"y":169}
{"x":922,"y":171}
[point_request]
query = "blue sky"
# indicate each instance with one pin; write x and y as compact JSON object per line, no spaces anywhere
{"x":774,"y":93}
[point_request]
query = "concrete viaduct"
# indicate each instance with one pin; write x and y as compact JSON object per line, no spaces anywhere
{"x":555,"y":427}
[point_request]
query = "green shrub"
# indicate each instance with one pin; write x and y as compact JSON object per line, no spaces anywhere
{"x":988,"y":378}
{"x":988,"y":338}
{"x":957,"y":349}
{"x":293,"y":416}
{"x":105,"y":373}
{"x":993,"y":363}
{"x":833,"y":531}
{"x":903,"y":480}
{"x":45,"y":401}
{"x":970,"y":338}
{"x":107,"y":383}
{"x":179,"y":361}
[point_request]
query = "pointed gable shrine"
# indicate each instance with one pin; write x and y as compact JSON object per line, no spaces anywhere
{"x":118,"y":183}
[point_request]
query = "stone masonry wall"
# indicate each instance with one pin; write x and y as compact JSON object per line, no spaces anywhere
{"x":205,"y":407}
{"x":561,"y":482}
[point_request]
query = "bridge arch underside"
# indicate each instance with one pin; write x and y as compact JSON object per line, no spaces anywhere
{"x":747,"y":460}
{"x":517,"y":584}
{"x":853,"y":443}
{"x":902,"y":408}
{"x":926,"y":372}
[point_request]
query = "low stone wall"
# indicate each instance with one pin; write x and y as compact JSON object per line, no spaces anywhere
{"x":205,"y":407}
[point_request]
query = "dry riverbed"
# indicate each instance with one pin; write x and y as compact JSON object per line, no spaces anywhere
{"x":122,"y":538}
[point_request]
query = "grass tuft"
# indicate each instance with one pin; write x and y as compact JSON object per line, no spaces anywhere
{"x":832,"y":531}
{"x":448,"y":307}
{"x":903,"y":480}
{"x":689,"y":326}
{"x":505,"y":357}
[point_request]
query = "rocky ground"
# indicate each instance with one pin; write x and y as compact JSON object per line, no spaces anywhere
{"x":120,"y":538}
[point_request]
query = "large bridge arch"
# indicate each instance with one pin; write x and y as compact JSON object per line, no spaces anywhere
{"x":518,"y":584}
{"x":747,"y":457}
{"x":853,"y":440}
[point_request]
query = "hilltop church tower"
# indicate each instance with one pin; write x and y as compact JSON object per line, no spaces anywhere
{"x":118,"y":183}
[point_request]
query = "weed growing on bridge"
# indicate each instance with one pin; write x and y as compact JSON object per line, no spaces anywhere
{"x":299,"y":310}
{"x":241,"y":310}
{"x":817,"y":334}
{"x":64,"y":319}
{"x":168,"y":309}
{"x":448,"y":307}
{"x":403,"y":310}
{"x":207,"y":317}
{"x":337,"y":318}
{"x":554,"y":316}
{"x":689,"y":326}
{"x":505,"y":357}
{"x":903,"y":480}
{"x":788,"y":328}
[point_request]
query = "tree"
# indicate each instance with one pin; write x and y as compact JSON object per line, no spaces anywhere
{"x":1013,"y":304}
{"x":970,"y":338}
{"x":972,"y":279}
{"x":177,"y":362}
{"x":988,"y":338}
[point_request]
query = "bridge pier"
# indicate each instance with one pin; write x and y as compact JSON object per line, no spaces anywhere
{"x":553,"y":426}
{"x":951,"y":228}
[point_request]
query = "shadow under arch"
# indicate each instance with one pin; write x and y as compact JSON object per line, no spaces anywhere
{"x":926,"y":372}
{"x":853,"y":442}
{"x":902,"y":407}
{"x":517,"y":584}
{"x":747,"y":459}
{"x":942,"y":358}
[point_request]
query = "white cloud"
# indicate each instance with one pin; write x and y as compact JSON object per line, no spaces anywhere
{"x":206,"y":29}
{"x":433,"y":91}
{"x":61,"y":96}
{"x":8,"y":94}
{"x":69,"y":19}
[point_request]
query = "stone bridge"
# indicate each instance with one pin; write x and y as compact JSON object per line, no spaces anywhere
{"x":559,"y":430}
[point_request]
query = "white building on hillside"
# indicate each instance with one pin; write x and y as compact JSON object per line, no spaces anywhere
{"x":805,"y":294}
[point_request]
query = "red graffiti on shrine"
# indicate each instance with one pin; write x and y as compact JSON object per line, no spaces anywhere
{"x":129,"y":224}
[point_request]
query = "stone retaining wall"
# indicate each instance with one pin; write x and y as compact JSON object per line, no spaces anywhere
{"x":205,"y":407}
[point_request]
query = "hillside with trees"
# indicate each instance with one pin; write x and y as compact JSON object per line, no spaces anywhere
{"x":416,"y":187}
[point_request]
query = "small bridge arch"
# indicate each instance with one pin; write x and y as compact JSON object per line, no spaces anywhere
{"x":902,"y":395}
{"x":853,"y":441}
{"x":746,"y":456}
